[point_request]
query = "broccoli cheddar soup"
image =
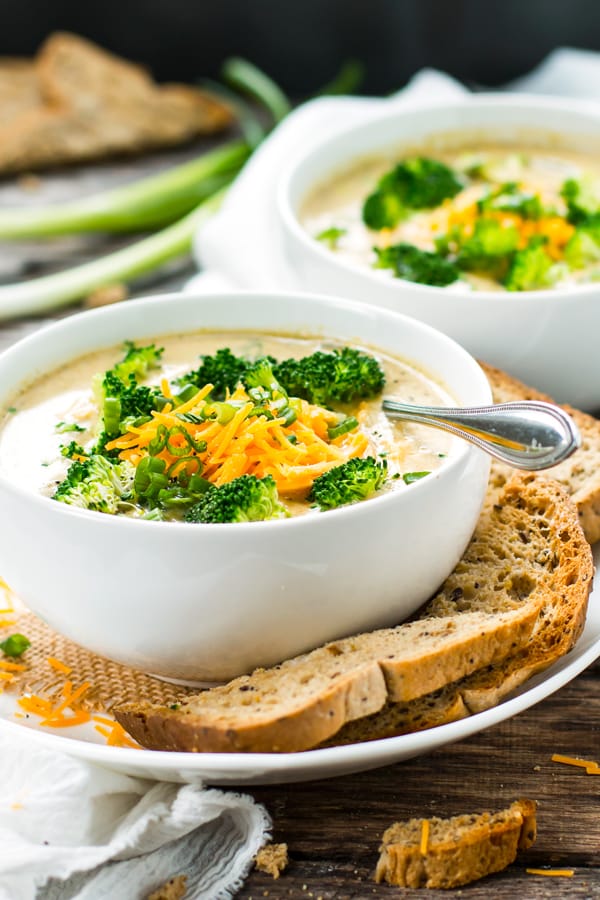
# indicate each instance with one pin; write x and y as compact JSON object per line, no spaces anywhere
{"x":221,"y":427}
{"x":486,"y":218}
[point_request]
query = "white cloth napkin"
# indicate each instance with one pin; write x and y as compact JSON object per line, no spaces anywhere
{"x":239,"y":247}
{"x":71,"y":830}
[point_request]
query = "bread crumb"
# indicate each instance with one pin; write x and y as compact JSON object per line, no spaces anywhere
{"x":174,"y":889}
{"x":272,"y":859}
{"x":29,"y":182}
{"x":104,"y":296}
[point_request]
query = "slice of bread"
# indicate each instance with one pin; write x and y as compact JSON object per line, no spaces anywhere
{"x":542,"y":542}
{"x":19,"y":88}
{"x":580,"y":474}
{"x":486,"y":609}
{"x":447,"y":853}
{"x":78,"y":102}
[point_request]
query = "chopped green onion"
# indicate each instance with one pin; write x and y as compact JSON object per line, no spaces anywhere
{"x":343,"y":427}
{"x":15,"y":645}
{"x":63,"y":427}
{"x":331,"y":236}
{"x":411,"y":477}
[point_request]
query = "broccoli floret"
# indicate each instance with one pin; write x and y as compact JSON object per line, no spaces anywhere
{"x":489,"y":249}
{"x":245,"y":499}
{"x":353,"y":480}
{"x":530,"y":269}
{"x":260,"y":377}
{"x":224,"y":370}
{"x":97,"y":483}
{"x":137,"y":361}
{"x":510,"y":198}
{"x":326,"y":378}
{"x":583,"y":247}
{"x":416,"y":183}
{"x":421,"y":266}
{"x":582,"y":198}
{"x":119,"y":395}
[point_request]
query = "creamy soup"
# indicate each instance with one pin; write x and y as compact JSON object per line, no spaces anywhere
{"x":156,"y":440}
{"x":483,"y":217}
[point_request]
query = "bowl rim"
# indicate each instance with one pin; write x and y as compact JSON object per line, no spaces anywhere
{"x":461,"y":449}
{"x":290,"y":221}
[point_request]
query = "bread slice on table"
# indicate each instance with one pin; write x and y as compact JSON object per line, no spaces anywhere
{"x":19,"y":88}
{"x":526,"y":550}
{"x":580,"y":474}
{"x":92,"y":104}
{"x":529,"y":540}
{"x":447,"y":853}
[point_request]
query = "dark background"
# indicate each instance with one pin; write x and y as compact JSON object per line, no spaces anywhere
{"x":301,"y":43}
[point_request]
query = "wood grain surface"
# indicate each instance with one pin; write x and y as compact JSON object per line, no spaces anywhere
{"x":333,"y":828}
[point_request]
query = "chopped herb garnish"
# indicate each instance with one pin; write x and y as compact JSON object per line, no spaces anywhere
{"x":15,"y":645}
{"x":331,"y":236}
{"x":411,"y":477}
{"x":12,"y":409}
{"x":62,"y":427}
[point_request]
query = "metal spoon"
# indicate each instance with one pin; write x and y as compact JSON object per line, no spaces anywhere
{"x":527,"y":434}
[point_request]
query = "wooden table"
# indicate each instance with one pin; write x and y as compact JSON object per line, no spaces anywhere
{"x":333,"y":828}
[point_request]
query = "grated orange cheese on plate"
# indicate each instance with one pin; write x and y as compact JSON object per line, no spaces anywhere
{"x":58,"y":665}
{"x":247,"y":444}
{"x":553,"y":873}
{"x":53,"y":712}
{"x":115,"y":734}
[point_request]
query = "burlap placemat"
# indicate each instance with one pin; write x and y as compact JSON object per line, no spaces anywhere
{"x":51,"y":659}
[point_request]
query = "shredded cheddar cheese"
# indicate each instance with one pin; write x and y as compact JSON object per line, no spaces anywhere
{"x":248,"y":444}
{"x":591,"y":767}
{"x":553,"y":873}
{"x":58,"y":665}
{"x":54,"y":713}
{"x":424,"y":837}
{"x":114,"y":733}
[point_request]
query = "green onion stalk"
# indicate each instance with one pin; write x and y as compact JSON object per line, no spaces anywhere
{"x":61,"y":288}
{"x":142,"y":206}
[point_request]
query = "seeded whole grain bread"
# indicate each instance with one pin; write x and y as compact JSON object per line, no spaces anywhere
{"x":580,"y":474}
{"x":77,"y":102}
{"x":528,"y":542}
{"x":528,"y":551}
{"x":455,"y":851}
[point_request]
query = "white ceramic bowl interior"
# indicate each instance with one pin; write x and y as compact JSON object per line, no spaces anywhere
{"x":205,"y":603}
{"x":547,"y":338}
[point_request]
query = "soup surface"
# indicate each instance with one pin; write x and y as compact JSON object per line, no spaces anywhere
{"x":140,"y":431}
{"x":487,"y":218}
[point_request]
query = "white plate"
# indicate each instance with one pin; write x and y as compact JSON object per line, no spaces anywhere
{"x":274,"y":768}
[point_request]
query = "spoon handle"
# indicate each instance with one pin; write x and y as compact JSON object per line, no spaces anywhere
{"x":527,"y":434}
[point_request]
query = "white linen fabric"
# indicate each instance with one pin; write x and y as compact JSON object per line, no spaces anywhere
{"x":70,"y":830}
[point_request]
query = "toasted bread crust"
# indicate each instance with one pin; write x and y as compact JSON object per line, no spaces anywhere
{"x":459,"y":850}
{"x":580,"y":474}
{"x":565,"y":570}
{"x":77,"y":102}
{"x":307,"y":700}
